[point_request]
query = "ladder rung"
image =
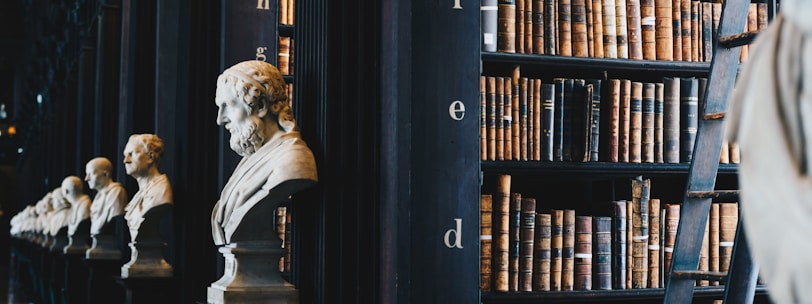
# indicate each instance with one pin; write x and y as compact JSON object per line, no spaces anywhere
{"x":737,"y":40}
{"x":698,"y":275}
{"x":732,"y":195}
{"x":714,"y":116}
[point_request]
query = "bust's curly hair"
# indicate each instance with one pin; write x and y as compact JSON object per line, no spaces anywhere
{"x":153,"y":144}
{"x":259,"y":84}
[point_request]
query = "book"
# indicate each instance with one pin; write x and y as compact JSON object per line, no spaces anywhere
{"x":290,"y":12}
{"x":568,"y":109}
{"x":568,"y":251}
{"x":506,"y":26}
{"x":527,"y":236}
{"x":762,"y":15}
{"x":531,"y":124}
{"x":704,"y":261}
{"x":514,"y":126}
{"x":625,"y":119}
{"x":647,"y":128}
{"x":671,"y":225}
{"x":676,"y":27}
{"x":283,"y":56}
{"x":654,"y":243}
{"x":582,"y":278}
{"x":619,"y":244}
{"x":713,"y":240}
{"x":590,"y":29}
{"x":556,"y":249}
{"x":636,"y":123}
{"x":550,"y":27}
{"x":547,"y":122}
{"x":706,"y":19}
{"x":728,"y":221}
{"x":696,"y":31}
{"x":581,"y":101}
{"x":689,"y":119}
{"x":658,"y":121}
{"x":537,"y":128}
{"x":735,"y":153}
{"x":647,"y":27}
{"x":538,"y":32}
{"x":281,"y":221}
{"x":529,"y":26}
{"x":671,"y":119}
{"x":685,"y":30}
{"x":283,"y":12}
{"x":491,"y":115}
{"x":558,"y":120}
{"x":609,"y":29}
{"x":640,"y":232}
{"x":614,"y":120}
{"x":580,"y":46}
{"x":594,"y":121}
{"x":629,"y":243}
{"x":724,"y":152}
{"x":622,"y":28}
{"x":521,"y":11}
{"x":564,"y":28}
{"x":288,"y":243}
{"x":488,"y":11}
{"x":483,"y":119}
{"x":635,"y":29}
{"x":602,"y":248}
{"x":507,"y":119}
{"x":524,"y":127}
{"x":663,"y":30}
{"x":501,"y":233}
{"x":541,"y":256}
{"x":597,"y":29}
{"x":485,"y":240}
{"x":514,"y":239}
{"x":500,"y":118}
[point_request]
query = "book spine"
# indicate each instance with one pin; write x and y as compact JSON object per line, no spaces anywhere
{"x":595,"y":120}
{"x":515,"y":127}
{"x":671,"y":225}
{"x":568,"y":251}
{"x":288,"y":244}
{"x":762,"y":16}
{"x":501,"y":233}
{"x":281,"y":226}
{"x":283,"y":57}
{"x":614,"y":120}
{"x":728,"y":221}
{"x":580,"y":47}
{"x":548,"y":110}
{"x":619,"y":245}
{"x":541,"y":257}
{"x":602,"y":247}
{"x":629,"y":243}
{"x":506,"y":26}
{"x":696,"y":31}
{"x":648,"y":123}
{"x":676,"y":28}
{"x":640,"y":232}
{"x":520,"y":26}
{"x":716,"y":16}
{"x":580,"y":119}
{"x":689,"y":109}
{"x":647,"y":24}
{"x":531,"y":123}
{"x":658,"y":122}
{"x":609,"y":29}
{"x":704,"y":261}
{"x":526,"y":242}
{"x":557,"y":248}
{"x":538,"y":27}
{"x":625,"y":120}
{"x":483,"y":119}
{"x":654,"y":243}
{"x":671,"y":119}
{"x":523,"y":122}
{"x":507,"y":119}
{"x":663,"y":30}
{"x":707,"y":30}
{"x":735,"y":153}
{"x":488,"y":9}
{"x":537,"y":128}
{"x":583,"y":253}
{"x":515,"y":241}
{"x":491,"y":113}
{"x":283,"y":12}
{"x":569,"y":108}
{"x":685,"y":30}
{"x":622,"y":29}
{"x":564,"y":28}
{"x":550,"y":27}
{"x":713,"y":240}
{"x":590,"y":29}
{"x":558,"y":120}
{"x":485,"y":240}
{"x":635,"y":30}
{"x":636,"y":123}
{"x":597,"y":29}
{"x":500,"y":118}
{"x":724,"y":152}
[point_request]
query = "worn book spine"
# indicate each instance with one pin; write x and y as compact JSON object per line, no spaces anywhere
{"x":635,"y":30}
{"x":537,"y":128}
{"x":595,"y":120}
{"x":558,"y":120}
{"x":550,"y":27}
{"x":663,"y":29}
{"x":568,"y":251}
{"x":583,"y":253}
{"x":614,"y":120}
{"x":538,"y":26}
{"x":658,"y":122}
{"x":696,"y":31}
{"x":636,"y":123}
{"x":515,"y":240}
{"x":671,"y":225}
{"x":640,"y":232}
{"x":569,"y":108}
{"x":676,"y":27}
{"x":580,"y":47}
{"x":491,"y":114}
{"x":541,"y":256}
{"x":520,"y":26}
{"x":547,"y":122}
{"x":602,"y":248}
{"x":500,"y":118}
{"x":728,"y":220}
{"x":707,"y":30}
{"x":619,"y":244}
{"x":671,"y":119}
{"x":724,"y":152}
{"x":526,"y":241}
{"x":514,"y":126}
{"x":621,"y":30}
{"x":648,"y":122}
{"x":713,"y":240}
{"x":689,"y":110}
{"x":523,"y":127}
{"x":488,"y":9}
{"x":506,"y":26}
{"x":588,"y":121}
{"x":283,"y":12}
{"x":483,"y":119}
{"x":654,"y":243}
{"x":501,"y":233}
{"x":507,"y":119}
{"x":281,"y":226}
{"x":288,"y":244}
{"x":556,"y":250}
{"x":597,"y":29}
{"x":485,"y":240}
{"x":527,"y":22}
{"x":625,"y":119}
{"x":564,"y":28}
{"x":609,"y":29}
{"x":590,"y":29}
{"x":531,"y":123}
{"x":685,"y":30}
{"x":291,"y":10}
{"x":762,"y":15}
{"x":704,"y":261}
{"x":647,"y":26}
{"x":580,"y":119}
{"x":735,"y":153}
{"x":283,"y":56}
{"x":750,"y":26}
{"x":629,"y":243}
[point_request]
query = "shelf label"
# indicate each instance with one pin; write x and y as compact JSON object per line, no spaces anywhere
{"x":266,"y":4}
{"x":457,"y":5}
{"x":261,"y":53}
{"x":456,"y":110}
{"x":456,"y":231}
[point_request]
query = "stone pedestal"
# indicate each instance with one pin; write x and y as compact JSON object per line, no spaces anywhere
{"x":146,"y":250}
{"x":74,"y":287}
{"x":252,"y":275}
{"x":149,"y":290}
{"x":101,"y":283}
{"x":105,"y":247}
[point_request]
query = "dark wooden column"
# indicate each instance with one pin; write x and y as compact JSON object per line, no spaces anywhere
{"x":108,"y":80}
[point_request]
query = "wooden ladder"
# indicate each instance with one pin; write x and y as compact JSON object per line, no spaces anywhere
{"x":740,"y":280}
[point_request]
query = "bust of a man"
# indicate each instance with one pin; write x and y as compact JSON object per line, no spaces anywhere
{"x":111,"y":197}
{"x":61,"y":212}
{"x":253,"y":106}
{"x":142,"y":155}
{"x":73,"y":191}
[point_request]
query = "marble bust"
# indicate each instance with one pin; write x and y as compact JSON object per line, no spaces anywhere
{"x":58,"y":219}
{"x":276,"y":163}
{"x":108,"y":203}
{"x":79,"y":216}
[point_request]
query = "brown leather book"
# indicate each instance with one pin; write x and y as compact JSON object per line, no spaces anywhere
{"x":291,"y":14}
{"x":658,"y":122}
{"x":568,"y":251}
{"x":602,"y":249}
{"x":590,"y":29}
{"x":629,"y":243}
{"x":609,"y":29}
{"x":514,"y":126}
{"x":619,"y":244}
{"x":635,"y":30}
{"x":647,"y":27}
{"x":614,"y":120}
{"x":664,"y":29}
{"x":483,"y":119}
{"x":706,"y":16}
{"x":538,"y":22}
{"x":507,"y":119}
{"x":636,"y":123}
{"x":485,"y":240}
{"x":564,"y":28}
{"x":550,"y":27}
{"x":501,"y":233}
{"x":654,"y":243}
{"x":696,"y":31}
{"x":621,"y":32}
{"x":283,"y":59}
{"x":580,"y":46}
{"x":547,"y":123}
{"x":671,"y":117}
{"x":704,"y":261}
{"x":752,"y":26}
{"x":685,"y":30}
{"x":537,"y":129}
{"x":281,"y":228}
{"x":491,"y":115}
{"x":597,"y":29}
{"x":728,"y":220}
{"x":582,"y":279}
{"x":506,"y":26}
{"x":713,"y":241}
{"x":529,"y":11}
{"x":526,"y":242}
{"x":531,"y":123}
{"x":520,"y":28}
{"x":541,"y":256}
{"x":556,"y":251}
{"x":515,"y":241}
{"x":283,"y":12}
{"x":676,"y":27}
{"x":625,"y":118}
{"x":500,"y":118}
{"x":762,"y":15}
{"x":288,"y":240}
{"x":671,"y":225}
{"x":523,"y":118}
{"x":640,"y":232}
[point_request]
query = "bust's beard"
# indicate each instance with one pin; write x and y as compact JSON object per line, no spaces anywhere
{"x":246,"y":138}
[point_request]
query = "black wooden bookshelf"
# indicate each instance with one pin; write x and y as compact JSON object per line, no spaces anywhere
{"x":702,"y":294}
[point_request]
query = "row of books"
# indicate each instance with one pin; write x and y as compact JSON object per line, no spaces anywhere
{"x":681,"y":30}
{"x":283,"y":222}
{"x":580,"y":120}
{"x":526,"y":247}
{"x":286,"y":11}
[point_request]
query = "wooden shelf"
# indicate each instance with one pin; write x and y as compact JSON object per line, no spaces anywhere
{"x":608,"y":64}
{"x":646,"y":295}
{"x":593,"y":169}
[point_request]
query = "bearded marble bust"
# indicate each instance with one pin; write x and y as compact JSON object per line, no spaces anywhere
{"x":254,"y":107}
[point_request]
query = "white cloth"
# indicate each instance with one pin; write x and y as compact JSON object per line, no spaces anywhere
{"x":770,"y":118}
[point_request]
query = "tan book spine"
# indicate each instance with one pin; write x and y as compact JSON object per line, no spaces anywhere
{"x":636,"y":123}
{"x":281,"y":226}
{"x":506,"y":26}
{"x":762,"y":15}
{"x":557,"y":245}
{"x":527,"y":236}
{"x":704,"y":261}
{"x":685,"y":23}
{"x":724,"y":153}
{"x":483,"y":119}
{"x":609,"y":29}
{"x":523,"y":119}
{"x":550,"y":27}
{"x":537,"y":119}
{"x":590,"y":28}
{"x":515,"y":241}
{"x":659,"y":102}
{"x":541,"y":257}
{"x":664,"y":29}
{"x":291,"y":12}
{"x":640,"y":228}
{"x":654,"y":243}
{"x":647,"y":26}
{"x":564,"y":28}
{"x":283,"y":56}
{"x":538,"y":27}
{"x":491,"y":99}
{"x":501,"y":233}
{"x":568,"y":251}
{"x":580,"y":47}
{"x":676,"y":27}
{"x":507,"y":119}
{"x":597,"y":29}
{"x":531,"y":124}
{"x":635,"y":30}
{"x":696,"y":31}
{"x":520,"y":26}
{"x":671,"y":225}
{"x":629,"y":243}
{"x":750,"y":26}
{"x":625,"y":119}
{"x":500,"y":118}
{"x":713,"y":241}
{"x":728,"y":220}
{"x":485,"y":241}
{"x":529,"y":11}
{"x":583,"y":253}
{"x":621,"y":31}
{"x":515,"y":128}
{"x":283,"y":12}
{"x":614,"y":119}
{"x":735,"y":153}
